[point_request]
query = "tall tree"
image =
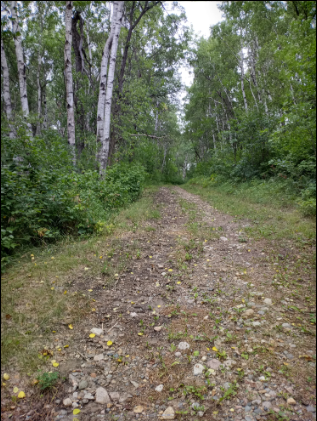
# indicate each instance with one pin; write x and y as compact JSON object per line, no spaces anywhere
{"x":69,"y":78}
{"x":6,"y":90}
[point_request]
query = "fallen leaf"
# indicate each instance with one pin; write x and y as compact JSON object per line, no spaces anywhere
{"x":52,"y":288}
{"x":21,"y":395}
{"x":140,"y":334}
{"x":89,"y":290}
{"x":179,"y":282}
{"x":214,"y":349}
{"x":71,"y":327}
{"x":92,"y":335}
{"x":109,"y":343}
{"x":65,"y":292}
{"x":6,"y":376}
{"x":170,"y":270}
{"x":8,"y":316}
{"x":93,"y":309}
{"x":15,"y":390}
{"x":65,"y":346}
{"x":76,"y":411}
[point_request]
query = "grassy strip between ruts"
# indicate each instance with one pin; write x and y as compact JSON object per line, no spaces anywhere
{"x":271,"y":217}
{"x":35,"y":301}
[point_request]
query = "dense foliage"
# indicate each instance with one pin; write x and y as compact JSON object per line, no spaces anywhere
{"x":252,"y":106}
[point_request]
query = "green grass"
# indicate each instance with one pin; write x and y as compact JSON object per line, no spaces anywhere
{"x":33,"y":302}
{"x":272,"y":214}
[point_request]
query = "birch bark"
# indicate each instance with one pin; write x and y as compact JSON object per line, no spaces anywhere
{"x":69,"y":78}
{"x":103,"y":78}
{"x":6,"y":90}
{"x":242,"y":81}
{"x":39,"y":92}
{"x":20,"y":62}
{"x":110,"y":82}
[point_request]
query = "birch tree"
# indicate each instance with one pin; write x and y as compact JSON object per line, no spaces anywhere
{"x":69,"y":78}
{"x":20,"y":62}
{"x":112,"y":65}
{"x":103,"y":77}
{"x":6,"y":90}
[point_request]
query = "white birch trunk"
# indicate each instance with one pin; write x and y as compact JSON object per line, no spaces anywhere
{"x":21,"y":64}
{"x":242,"y":81}
{"x":39,"y":93}
{"x":103,"y":78}
{"x":69,"y":78}
{"x":6,"y":90}
{"x":110,"y":82}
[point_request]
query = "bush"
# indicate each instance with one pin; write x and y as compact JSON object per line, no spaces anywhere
{"x":42,"y":200}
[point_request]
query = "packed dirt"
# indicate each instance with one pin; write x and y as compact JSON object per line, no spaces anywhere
{"x":206,"y":323}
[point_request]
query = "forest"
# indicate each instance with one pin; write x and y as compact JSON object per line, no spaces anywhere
{"x":90,"y":108}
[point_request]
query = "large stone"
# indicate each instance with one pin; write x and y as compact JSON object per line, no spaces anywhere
{"x":97,"y":331}
{"x":198,"y":369}
{"x":102,"y":396}
{"x":183,"y":345}
{"x":214,"y":364}
{"x":168,"y":414}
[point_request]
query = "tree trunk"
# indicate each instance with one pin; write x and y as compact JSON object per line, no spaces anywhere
{"x":110,"y":82}
{"x":69,"y":79}
{"x":39,"y":93}
{"x":45,"y":107}
{"x":21,"y":64}
{"x":6,"y":90}
{"x":103,"y":78}
{"x":242,"y":81}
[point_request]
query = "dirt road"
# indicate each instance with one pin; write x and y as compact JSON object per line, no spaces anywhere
{"x":206,"y":323}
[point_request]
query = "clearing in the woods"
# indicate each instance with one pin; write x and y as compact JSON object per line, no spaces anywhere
{"x":179,"y":312}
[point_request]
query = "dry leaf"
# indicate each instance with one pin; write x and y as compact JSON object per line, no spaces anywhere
{"x":71,"y":326}
{"x":92,"y":335}
{"x":21,"y":395}
{"x":15,"y":390}
{"x":76,"y":411}
{"x":6,"y":376}
{"x":109,"y":343}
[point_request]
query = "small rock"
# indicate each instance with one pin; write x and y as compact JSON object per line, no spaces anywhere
{"x":206,"y":317}
{"x":268,"y":301}
{"x":124,"y":397}
{"x":159,"y":388}
{"x":248,"y":313}
{"x":198,"y":369}
{"x":286,"y":326}
{"x":82,"y":385}
{"x":311,"y":408}
{"x":67,"y":402}
{"x":256,"y":324}
{"x":97,"y":331}
{"x":183,"y":345}
{"x":158,"y":328}
{"x":178,"y":354}
{"x":267,"y":405}
{"x":114,"y":396}
{"x":102,"y":396}
{"x":98,"y":357}
{"x":133,"y":315}
{"x":291,"y":401}
{"x":223,"y":238}
{"x":135,"y":384}
{"x":195,"y":405}
{"x":88,"y":396}
{"x":138,"y":409}
{"x":214,"y":364}
{"x":168,"y":414}
{"x":204,"y":358}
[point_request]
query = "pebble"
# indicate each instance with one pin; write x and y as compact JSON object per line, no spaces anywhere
{"x":223,"y":238}
{"x":98,"y":357}
{"x":102,"y":396}
{"x":214,"y":364}
{"x":159,"y":388}
{"x":88,"y":396}
{"x":198,"y":369}
{"x":291,"y":401}
{"x":138,"y":409}
{"x":286,"y":325}
{"x":82,"y":385}
{"x":267,"y":405}
{"x":168,"y":414}
{"x":97,"y":331}
{"x":248,"y":313}
{"x":311,"y":408}
{"x":256,"y":324}
{"x":178,"y":354}
{"x":268,"y":301}
{"x":183,"y":345}
{"x":133,"y":314}
{"x":67,"y":402}
{"x":158,"y":328}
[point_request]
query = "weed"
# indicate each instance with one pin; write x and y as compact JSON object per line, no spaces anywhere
{"x":47,"y":380}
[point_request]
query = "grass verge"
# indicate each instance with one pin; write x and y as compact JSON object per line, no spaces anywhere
{"x":272,"y":215}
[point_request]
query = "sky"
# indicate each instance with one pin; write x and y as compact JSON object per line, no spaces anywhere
{"x":201,"y":15}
